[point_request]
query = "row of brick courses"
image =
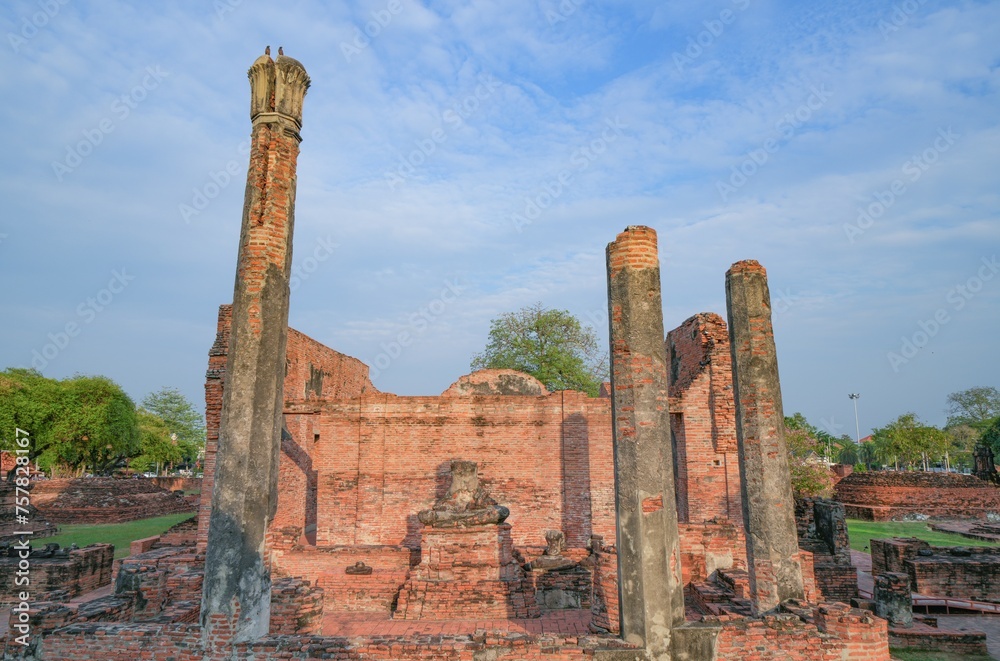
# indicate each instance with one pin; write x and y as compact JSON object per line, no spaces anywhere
{"x":939,"y":641}
{"x":296,"y":607}
{"x":836,"y":582}
{"x":888,"y":495}
{"x":80,"y":572}
{"x":975,"y":574}
{"x":104,"y":500}
{"x":840,"y":632}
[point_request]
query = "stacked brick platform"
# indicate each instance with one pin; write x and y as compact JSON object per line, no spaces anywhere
{"x":966,"y":573}
{"x":352,"y":593}
{"x":37,"y":524}
{"x":890,"y":495}
{"x":467,"y":573}
{"x":104,"y":500}
{"x":81,"y":571}
{"x":924,"y":635}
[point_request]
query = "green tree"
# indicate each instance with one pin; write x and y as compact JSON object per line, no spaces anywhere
{"x":961,"y":443}
{"x":551,"y":345}
{"x":28,"y":401}
{"x":96,"y":426}
{"x":908,"y":441}
{"x":156,"y":445}
{"x":992,"y":437}
{"x":841,"y":448}
{"x":976,"y":407}
{"x":75,"y":424}
{"x":810,"y":475}
{"x":180,"y":418}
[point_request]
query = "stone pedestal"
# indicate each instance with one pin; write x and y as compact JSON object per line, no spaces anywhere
{"x":467,"y":573}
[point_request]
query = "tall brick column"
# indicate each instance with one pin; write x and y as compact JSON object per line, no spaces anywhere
{"x":236,"y":598}
{"x":768,"y":506}
{"x":649,"y":570}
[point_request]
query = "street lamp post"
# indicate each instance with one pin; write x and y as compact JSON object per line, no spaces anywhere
{"x":857,"y":427}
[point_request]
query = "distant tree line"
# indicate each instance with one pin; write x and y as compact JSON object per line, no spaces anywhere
{"x":904,"y":443}
{"x":88,"y":424}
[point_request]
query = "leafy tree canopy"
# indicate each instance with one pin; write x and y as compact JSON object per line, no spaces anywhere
{"x":551,"y":345}
{"x":180,"y":418}
{"x":976,"y":407}
{"x":907,"y":440}
{"x":156,"y":445}
{"x":841,"y":448}
{"x":810,"y":475}
{"x":81,"y":421}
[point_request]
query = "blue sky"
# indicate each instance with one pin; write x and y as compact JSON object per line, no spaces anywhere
{"x":463,"y":159}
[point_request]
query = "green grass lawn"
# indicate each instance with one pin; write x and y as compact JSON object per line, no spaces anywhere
{"x":119,"y":534}
{"x":862,"y":532}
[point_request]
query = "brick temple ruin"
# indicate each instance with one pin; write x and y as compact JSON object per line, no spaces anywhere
{"x":495,"y":521}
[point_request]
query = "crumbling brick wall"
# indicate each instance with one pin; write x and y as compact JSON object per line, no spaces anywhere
{"x":312,"y":372}
{"x":81,"y":571}
{"x":379,"y":459}
{"x":958,"y":572}
{"x":104,"y":500}
{"x":703,"y":421}
{"x":888,"y":495}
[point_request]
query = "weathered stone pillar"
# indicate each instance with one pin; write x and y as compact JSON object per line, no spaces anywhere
{"x":893,"y":599}
{"x":649,"y":570}
{"x":236,"y":598}
{"x":768,"y":506}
